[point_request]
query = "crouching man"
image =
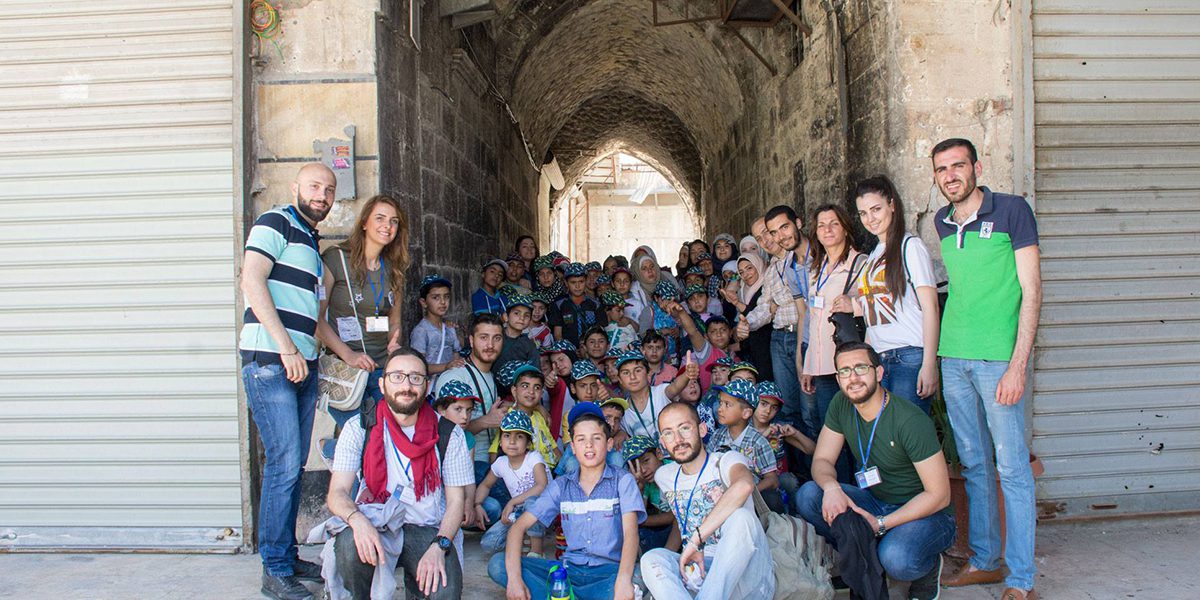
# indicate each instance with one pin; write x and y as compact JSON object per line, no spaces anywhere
{"x":725,"y":553}
{"x":898,"y":509}
{"x":415,"y":467}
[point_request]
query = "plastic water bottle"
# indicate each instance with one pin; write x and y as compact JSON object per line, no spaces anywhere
{"x":560,"y":588}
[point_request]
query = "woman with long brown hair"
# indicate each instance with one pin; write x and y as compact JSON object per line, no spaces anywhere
{"x":897,"y":296}
{"x":364,"y":281}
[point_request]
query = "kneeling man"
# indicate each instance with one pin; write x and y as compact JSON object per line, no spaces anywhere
{"x":903,"y":489}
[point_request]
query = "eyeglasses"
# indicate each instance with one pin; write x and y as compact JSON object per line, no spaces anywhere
{"x":683,"y":431}
{"x":844,"y":372}
{"x":400,"y":377}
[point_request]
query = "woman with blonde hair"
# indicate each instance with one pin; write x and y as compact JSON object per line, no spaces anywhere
{"x":364,"y":281}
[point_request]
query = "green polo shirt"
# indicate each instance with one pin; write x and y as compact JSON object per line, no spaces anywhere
{"x":984,"y":300}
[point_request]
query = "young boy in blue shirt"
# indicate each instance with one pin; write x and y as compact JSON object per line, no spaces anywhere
{"x":602,"y":549}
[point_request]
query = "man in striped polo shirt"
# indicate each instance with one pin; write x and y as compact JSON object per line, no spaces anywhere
{"x":281,"y":281}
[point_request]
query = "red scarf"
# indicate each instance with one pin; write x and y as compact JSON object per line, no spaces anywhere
{"x":425,"y":472}
{"x":558,"y":397}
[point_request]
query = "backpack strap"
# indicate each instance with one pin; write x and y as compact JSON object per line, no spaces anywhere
{"x":445,"y":432}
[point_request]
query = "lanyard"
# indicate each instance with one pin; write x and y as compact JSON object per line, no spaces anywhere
{"x":311,"y":238}
{"x":801,"y":282}
{"x":685,"y":516}
{"x":396,"y":451}
{"x":637,"y":413}
{"x":471,"y":368}
{"x":821,"y":283}
{"x":871,"y":440}
{"x":442,"y":345}
{"x":379,"y":294}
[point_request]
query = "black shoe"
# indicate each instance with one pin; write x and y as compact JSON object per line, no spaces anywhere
{"x":307,"y":571}
{"x":928,"y":587}
{"x":284,"y":588}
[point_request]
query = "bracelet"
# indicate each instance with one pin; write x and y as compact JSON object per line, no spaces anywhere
{"x":351,"y":516}
{"x":290,"y":353}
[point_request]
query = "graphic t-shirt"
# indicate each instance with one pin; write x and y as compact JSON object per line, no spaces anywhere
{"x":692,"y":497}
{"x":895,"y":322}
{"x":905,"y":436}
{"x":575,"y":319}
{"x":520,"y":480}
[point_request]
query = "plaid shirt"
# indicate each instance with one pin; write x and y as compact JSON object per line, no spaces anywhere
{"x":777,"y":291}
{"x":750,"y":444}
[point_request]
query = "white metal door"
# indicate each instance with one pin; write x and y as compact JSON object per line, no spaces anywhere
{"x":118,"y":408}
{"x":1117,"y":135}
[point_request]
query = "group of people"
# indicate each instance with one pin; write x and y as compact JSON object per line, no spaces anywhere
{"x":612,"y":425}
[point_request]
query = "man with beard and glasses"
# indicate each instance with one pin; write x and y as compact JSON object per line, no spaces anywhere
{"x":725,"y":553}
{"x":896,"y":521}
{"x":990,"y":246}
{"x":410,"y":500}
{"x":281,"y":282}
{"x":485,"y":338}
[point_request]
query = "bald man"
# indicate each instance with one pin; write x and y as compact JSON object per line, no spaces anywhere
{"x":281,"y":281}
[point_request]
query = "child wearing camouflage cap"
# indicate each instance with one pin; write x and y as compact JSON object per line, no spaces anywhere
{"x":622,"y":330}
{"x":524,"y":474}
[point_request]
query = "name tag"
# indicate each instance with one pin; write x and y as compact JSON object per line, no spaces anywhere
{"x":816,"y":301}
{"x":320,"y":292}
{"x":868,"y":477}
{"x":377,"y":324}
{"x":985,"y":229}
{"x":348,"y":329}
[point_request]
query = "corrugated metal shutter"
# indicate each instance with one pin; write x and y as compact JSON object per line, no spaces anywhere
{"x":1117,"y":134}
{"x":118,"y":407}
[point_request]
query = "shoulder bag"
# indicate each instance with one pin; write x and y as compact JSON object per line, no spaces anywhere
{"x":340,"y":385}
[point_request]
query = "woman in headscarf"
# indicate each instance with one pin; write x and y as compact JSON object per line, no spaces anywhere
{"x":749,"y":245}
{"x":646,"y":270}
{"x":756,"y":312}
{"x":725,"y":248}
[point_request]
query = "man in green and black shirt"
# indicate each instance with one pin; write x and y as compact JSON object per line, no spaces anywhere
{"x":903,"y":490}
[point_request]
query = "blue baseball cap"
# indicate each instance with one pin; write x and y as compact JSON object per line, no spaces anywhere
{"x":584,"y":408}
{"x":768,"y":389}
{"x":743,"y":390}
{"x":516,"y":420}
{"x":637,"y":446}
{"x":574,"y":270}
{"x":584,"y":368}
{"x":519,"y":300}
{"x":593,"y":266}
{"x":630,"y":355}
{"x":511,"y":370}
{"x":432,"y":280}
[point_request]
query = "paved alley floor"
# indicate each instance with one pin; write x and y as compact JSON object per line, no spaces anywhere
{"x":1101,"y":560}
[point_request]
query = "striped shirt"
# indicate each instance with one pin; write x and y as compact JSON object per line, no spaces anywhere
{"x":291,"y":245}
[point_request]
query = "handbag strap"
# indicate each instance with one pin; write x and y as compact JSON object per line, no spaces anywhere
{"x":852,"y":276}
{"x":345,"y":271}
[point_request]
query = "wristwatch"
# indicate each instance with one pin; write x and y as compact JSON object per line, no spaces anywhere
{"x":881,"y":529}
{"x":442,"y":542}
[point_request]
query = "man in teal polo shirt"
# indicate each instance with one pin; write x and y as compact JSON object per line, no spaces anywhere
{"x":990,"y":247}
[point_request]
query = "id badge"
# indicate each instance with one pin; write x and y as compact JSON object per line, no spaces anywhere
{"x":320,"y":292}
{"x":817,"y":301}
{"x":407,"y":495}
{"x":377,"y":324}
{"x":348,"y":329}
{"x":868,"y":477}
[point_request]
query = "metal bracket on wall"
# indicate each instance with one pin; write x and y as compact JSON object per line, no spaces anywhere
{"x":734,"y":15}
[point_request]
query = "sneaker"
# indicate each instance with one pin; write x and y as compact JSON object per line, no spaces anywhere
{"x":927,"y":586}
{"x":307,"y":570}
{"x":284,"y":588}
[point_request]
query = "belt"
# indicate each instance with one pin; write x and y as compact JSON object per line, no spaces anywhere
{"x":787,"y":328}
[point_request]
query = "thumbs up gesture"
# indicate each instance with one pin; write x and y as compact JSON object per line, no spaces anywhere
{"x":690,"y":367}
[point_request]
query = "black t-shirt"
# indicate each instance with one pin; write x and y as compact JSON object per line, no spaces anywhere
{"x":520,"y":348}
{"x":575,"y":319}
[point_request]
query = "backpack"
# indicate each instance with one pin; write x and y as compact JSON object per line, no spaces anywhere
{"x":801,"y":557}
{"x":366,"y":418}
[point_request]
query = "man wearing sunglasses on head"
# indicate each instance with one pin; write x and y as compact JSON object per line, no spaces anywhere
{"x":896,"y":520}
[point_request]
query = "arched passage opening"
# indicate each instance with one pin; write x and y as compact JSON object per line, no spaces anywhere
{"x":619,"y":202}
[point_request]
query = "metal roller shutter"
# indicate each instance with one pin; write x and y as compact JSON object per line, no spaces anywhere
{"x":1117,"y":136}
{"x":119,"y":411}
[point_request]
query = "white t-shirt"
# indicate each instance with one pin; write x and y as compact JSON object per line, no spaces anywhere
{"x":645,"y":422}
{"x":521,"y":480}
{"x":457,"y":470}
{"x":892,"y":324}
{"x":692,"y":497}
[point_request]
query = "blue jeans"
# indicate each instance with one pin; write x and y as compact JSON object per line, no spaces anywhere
{"x":826,"y":387}
{"x":783,"y":363}
{"x":588,"y":582}
{"x":497,"y":498}
{"x":900,"y":369}
{"x":983,"y":427}
{"x":906,"y":552}
{"x":283,"y":412}
{"x":496,"y":536}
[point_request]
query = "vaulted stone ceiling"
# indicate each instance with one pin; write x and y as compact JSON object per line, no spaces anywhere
{"x":589,"y":78}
